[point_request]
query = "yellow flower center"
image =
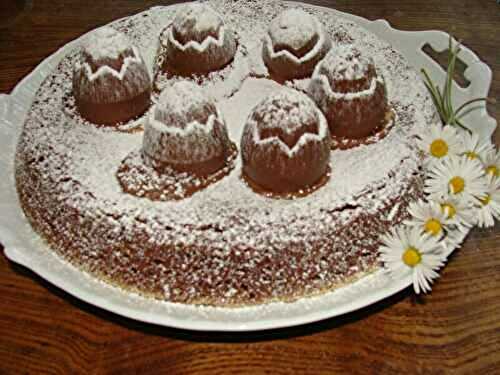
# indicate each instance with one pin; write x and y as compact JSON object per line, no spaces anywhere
{"x":457,"y":184}
{"x":486,"y":200}
{"x":471,"y":155}
{"x":449,"y":209}
{"x":492,"y":170}
{"x":412,"y":257}
{"x":439,"y":148}
{"x":433,"y":227}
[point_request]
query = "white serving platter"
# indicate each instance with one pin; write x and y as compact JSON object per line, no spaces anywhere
{"x":23,"y":246}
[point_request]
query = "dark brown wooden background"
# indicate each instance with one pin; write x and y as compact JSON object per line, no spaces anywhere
{"x":456,"y":329}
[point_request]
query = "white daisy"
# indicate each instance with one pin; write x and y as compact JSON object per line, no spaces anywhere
{"x":491,"y":163}
{"x":429,"y":218}
{"x":439,"y":142}
{"x":475,"y":148}
{"x":457,"y":176}
{"x":489,"y":206}
{"x":459,"y":212}
{"x":407,"y":252}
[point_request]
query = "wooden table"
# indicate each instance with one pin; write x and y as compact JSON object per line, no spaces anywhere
{"x":454,"y":329}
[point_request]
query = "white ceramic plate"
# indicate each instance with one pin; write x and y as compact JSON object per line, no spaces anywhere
{"x":23,"y":246}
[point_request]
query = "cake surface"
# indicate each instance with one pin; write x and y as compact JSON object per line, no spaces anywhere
{"x":224,"y":245}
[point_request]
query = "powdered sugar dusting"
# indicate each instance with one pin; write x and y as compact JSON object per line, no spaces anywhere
{"x":345,"y":62}
{"x":229,"y":230}
{"x":185,"y":127}
{"x":140,"y":178}
{"x":107,"y":85}
{"x":179,"y":101}
{"x":197,"y":17}
{"x":106,"y":43}
{"x":294,"y":28}
{"x":287,"y":110}
{"x":217,"y":84}
{"x":320,"y":89}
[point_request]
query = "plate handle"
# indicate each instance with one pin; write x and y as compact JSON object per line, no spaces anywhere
{"x":411,"y":44}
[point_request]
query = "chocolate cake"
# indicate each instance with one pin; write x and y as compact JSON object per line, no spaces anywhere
{"x":111,"y":83}
{"x":118,"y":205}
{"x":295,"y":43}
{"x":351,"y":94}
{"x":197,"y":41}
{"x":185,"y":147}
{"x":285,"y":146}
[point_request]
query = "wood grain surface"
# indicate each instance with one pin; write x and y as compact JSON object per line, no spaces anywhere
{"x":456,"y":329}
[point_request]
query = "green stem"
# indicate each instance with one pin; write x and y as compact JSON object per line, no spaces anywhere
{"x":443,"y":100}
{"x":449,"y":81}
{"x":435,"y":95}
{"x":469,"y":102}
{"x":457,"y":122}
{"x":466,"y":112}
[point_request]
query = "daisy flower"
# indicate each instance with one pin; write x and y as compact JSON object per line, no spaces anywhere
{"x":407,"y":252}
{"x":428,"y":217}
{"x":439,"y":142}
{"x":475,"y":148}
{"x":459,"y":212}
{"x":457,"y":176}
{"x":491,"y":162}
{"x":489,"y":206}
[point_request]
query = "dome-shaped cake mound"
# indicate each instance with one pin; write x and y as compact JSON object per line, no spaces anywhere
{"x":294,"y":44}
{"x":197,"y":42}
{"x":111,"y":83}
{"x":286,"y":145}
{"x":186,"y":132}
{"x":346,"y":87}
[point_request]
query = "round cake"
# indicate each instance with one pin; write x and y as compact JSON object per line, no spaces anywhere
{"x":351,"y":94}
{"x":185,"y":147}
{"x":285,"y":147}
{"x":111,"y":83}
{"x":197,"y":41}
{"x":186,"y":132}
{"x":224,"y":244}
{"x":295,"y":43}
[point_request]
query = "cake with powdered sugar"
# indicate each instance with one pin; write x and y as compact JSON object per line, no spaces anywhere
{"x":185,"y":147}
{"x":165,"y":205}
{"x":186,"y":132}
{"x":351,"y":94}
{"x":111,"y":83}
{"x":296,"y":41}
{"x":285,"y":147}
{"x":196,"y":42}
